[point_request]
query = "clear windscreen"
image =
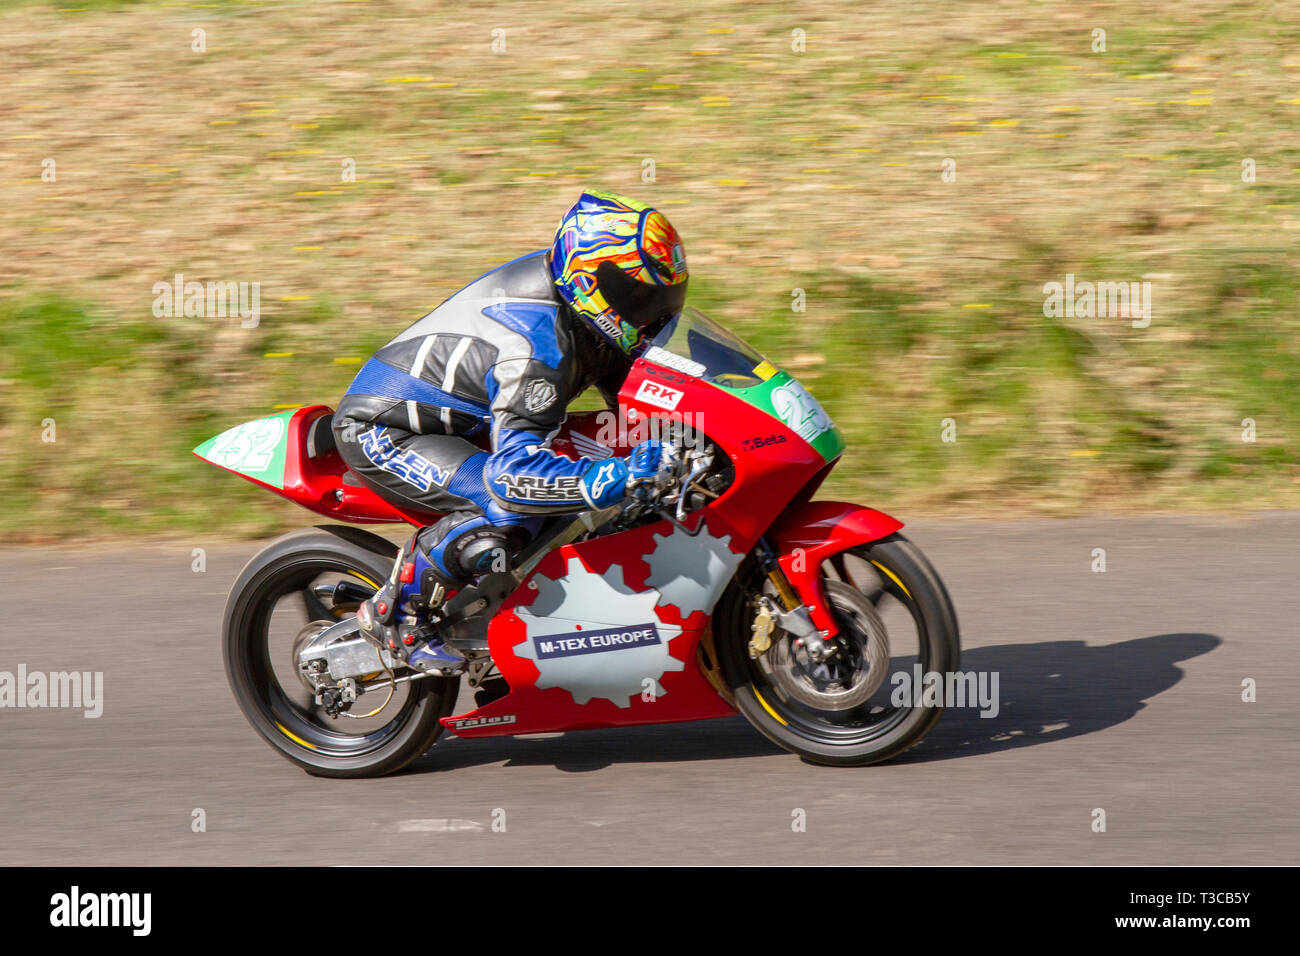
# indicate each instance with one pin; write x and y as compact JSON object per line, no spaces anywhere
{"x":695,"y":344}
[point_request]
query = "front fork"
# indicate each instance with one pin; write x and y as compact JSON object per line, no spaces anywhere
{"x":804,"y":616}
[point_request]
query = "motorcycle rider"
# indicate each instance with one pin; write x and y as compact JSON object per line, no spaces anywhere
{"x":503,"y":358}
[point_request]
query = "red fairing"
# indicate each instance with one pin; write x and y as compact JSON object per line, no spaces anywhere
{"x":674,"y":688}
{"x":808,"y":535}
{"x":606,"y":632}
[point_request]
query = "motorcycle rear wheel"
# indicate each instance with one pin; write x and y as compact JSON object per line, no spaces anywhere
{"x":272,"y":698}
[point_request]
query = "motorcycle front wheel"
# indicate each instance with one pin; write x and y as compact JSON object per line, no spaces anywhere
{"x":861,"y":706}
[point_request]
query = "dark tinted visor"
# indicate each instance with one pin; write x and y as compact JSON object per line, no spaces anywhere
{"x":643,"y":306}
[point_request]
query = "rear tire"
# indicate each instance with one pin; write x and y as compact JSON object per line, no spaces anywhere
{"x":310,"y":740}
{"x":831,"y":737}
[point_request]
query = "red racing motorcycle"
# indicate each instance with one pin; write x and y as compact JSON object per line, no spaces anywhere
{"x":728,"y":589}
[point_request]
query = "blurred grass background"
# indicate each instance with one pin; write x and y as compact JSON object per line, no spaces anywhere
{"x":817,"y":170}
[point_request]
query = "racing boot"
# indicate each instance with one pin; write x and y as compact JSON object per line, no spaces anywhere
{"x":463,"y":548}
{"x":399,"y":615}
{"x":438,"y":561}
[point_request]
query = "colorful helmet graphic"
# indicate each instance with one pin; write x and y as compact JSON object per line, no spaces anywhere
{"x":620,"y":265}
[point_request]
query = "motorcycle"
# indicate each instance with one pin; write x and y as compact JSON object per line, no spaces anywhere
{"x":723,"y":587}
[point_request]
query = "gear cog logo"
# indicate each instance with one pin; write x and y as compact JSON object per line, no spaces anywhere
{"x":691,"y":571}
{"x":591,"y":635}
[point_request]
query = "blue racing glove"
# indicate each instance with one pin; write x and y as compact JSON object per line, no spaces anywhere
{"x":607,"y":482}
{"x":646,"y":460}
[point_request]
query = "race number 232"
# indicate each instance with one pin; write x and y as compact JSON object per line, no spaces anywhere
{"x":248,"y":447}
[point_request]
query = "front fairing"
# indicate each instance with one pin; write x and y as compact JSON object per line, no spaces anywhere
{"x":777,"y":437}
{"x":651,"y":588}
{"x":697,"y":346}
{"x":782,"y":397}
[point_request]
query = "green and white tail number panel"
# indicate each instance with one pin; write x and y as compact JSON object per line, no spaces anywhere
{"x":254,"y":449}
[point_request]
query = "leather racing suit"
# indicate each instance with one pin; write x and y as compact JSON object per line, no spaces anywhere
{"x":494,"y":365}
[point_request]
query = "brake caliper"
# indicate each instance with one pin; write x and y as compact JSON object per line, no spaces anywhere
{"x":762,"y":629}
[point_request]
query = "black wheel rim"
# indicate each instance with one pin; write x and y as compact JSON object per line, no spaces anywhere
{"x":284,"y":709}
{"x":877,"y":717}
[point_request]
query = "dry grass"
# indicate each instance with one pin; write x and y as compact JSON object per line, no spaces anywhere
{"x":818,"y":170}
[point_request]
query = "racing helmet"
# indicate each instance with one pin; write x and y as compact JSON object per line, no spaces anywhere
{"x":620,"y":266}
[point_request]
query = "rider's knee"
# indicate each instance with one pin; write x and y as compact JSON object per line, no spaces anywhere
{"x":464,"y":545}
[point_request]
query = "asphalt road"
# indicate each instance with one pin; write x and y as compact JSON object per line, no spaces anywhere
{"x":1119,"y":690}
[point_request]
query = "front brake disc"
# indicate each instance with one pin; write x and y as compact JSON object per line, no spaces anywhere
{"x":847,"y":679}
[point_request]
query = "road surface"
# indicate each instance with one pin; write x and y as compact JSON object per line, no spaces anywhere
{"x":1120,"y":691}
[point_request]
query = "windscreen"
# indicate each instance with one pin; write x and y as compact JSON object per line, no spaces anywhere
{"x":695,"y":344}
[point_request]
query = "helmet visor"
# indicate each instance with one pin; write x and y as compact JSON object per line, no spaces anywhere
{"x":641,"y":306}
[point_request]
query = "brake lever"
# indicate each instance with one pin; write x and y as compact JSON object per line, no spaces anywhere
{"x":700,"y":468}
{"x":677,"y":516}
{"x":646,"y":497}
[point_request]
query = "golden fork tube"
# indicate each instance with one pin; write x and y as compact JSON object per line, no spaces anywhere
{"x":789,"y":599}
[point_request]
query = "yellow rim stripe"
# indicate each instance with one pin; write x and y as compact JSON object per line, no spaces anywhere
{"x":366,"y":579}
{"x":294,"y":737}
{"x":775,"y":716}
{"x":893,"y":578}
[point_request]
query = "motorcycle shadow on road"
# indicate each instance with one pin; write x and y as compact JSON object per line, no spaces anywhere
{"x":1046,"y":692}
{"x":1057,"y":690}
{"x":586,"y":750}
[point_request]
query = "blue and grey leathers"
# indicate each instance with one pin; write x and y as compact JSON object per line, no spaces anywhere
{"x":500,"y":359}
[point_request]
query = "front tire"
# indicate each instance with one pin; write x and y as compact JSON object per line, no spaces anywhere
{"x":280,"y":709}
{"x":820,"y":716}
